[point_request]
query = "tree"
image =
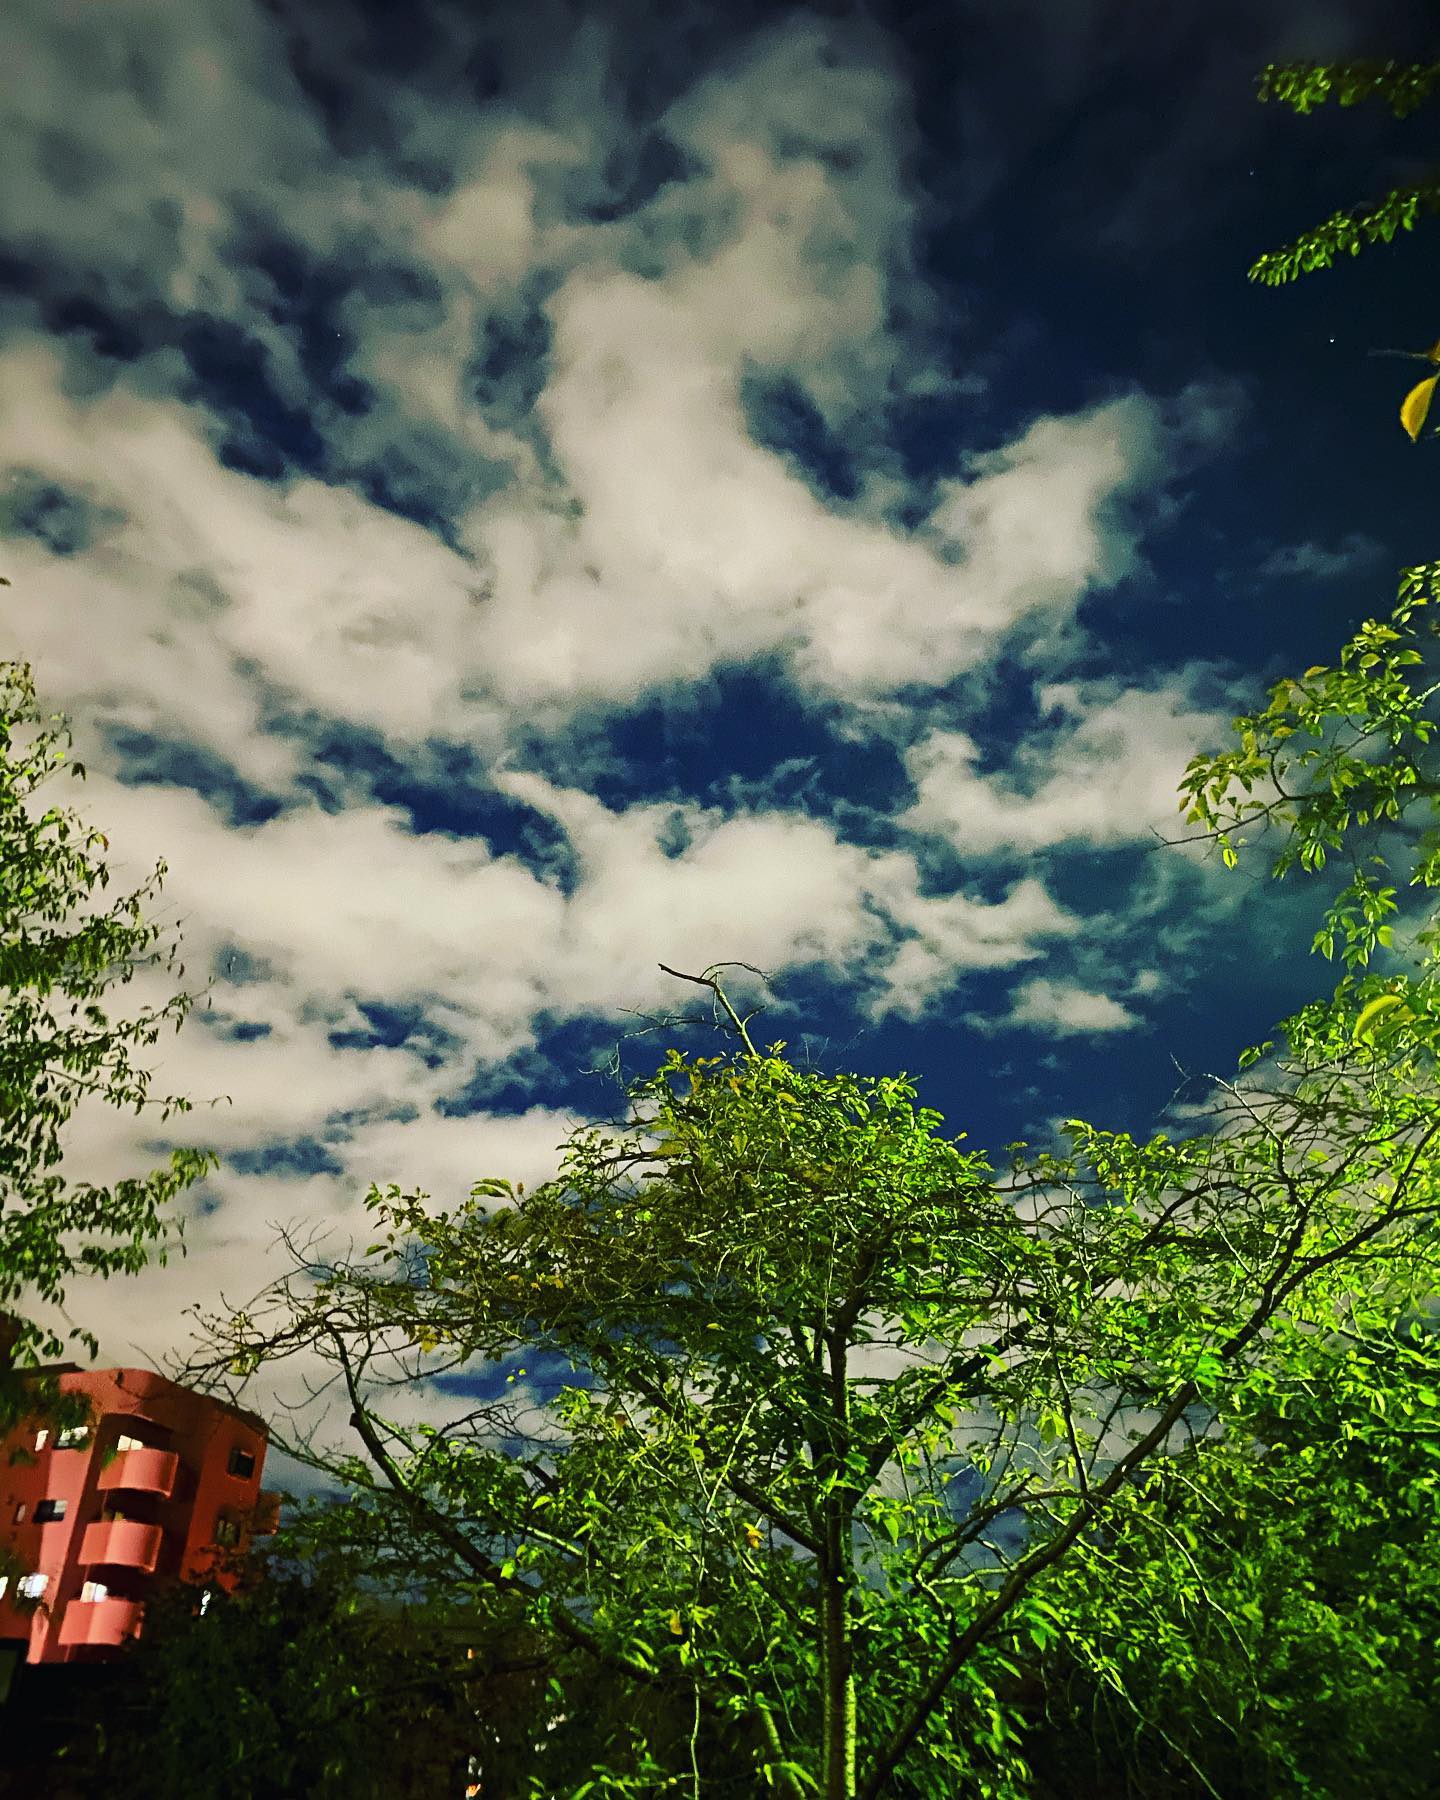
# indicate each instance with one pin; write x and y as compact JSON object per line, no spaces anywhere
{"x":301,"y":1681}
{"x":846,"y":1407}
{"x":51,"y":1053}
{"x":1403,"y":87}
{"x":1281,"y":1634}
{"x":1341,"y":763}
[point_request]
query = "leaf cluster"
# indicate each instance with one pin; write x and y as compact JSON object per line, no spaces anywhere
{"x":1403,"y":87}
{"x":1342,"y":761}
{"x":57,"y":1044}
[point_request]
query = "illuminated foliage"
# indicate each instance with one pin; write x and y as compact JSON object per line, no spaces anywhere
{"x":820,"y":1416}
{"x":56,"y":1044}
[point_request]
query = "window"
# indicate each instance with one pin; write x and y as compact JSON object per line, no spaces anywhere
{"x":48,"y":1510}
{"x":124,"y":1443}
{"x":72,"y":1437}
{"x":42,"y":1438}
{"x":4,"y":1583}
{"x":31,"y":1587}
{"x":227,"y":1532}
{"x":242,"y":1463}
{"x":20,"y":1513}
{"x":93,"y":1591}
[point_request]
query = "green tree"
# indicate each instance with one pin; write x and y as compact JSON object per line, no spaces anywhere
{"x":303,"y":1681}
{"x":846,"y":1407}
{"x":1278,"y":1630}
{"x":56,"y":1044}
{"x":1402,"y":87}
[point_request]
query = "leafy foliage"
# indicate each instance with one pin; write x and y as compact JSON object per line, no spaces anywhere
{"x":1281,"y":1635}
{"x":1342,"y":762}
{"x":1347,"y":232}
{"x":1403,"y":87}
{"x":842,"y":1408}
{"x":51,"y":1230}
{"x":1303,"y":86}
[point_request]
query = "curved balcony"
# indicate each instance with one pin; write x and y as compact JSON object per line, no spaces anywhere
{"x":122,"y":1544}
{"x":102,"y":1624}
{"x":149,"y":1471}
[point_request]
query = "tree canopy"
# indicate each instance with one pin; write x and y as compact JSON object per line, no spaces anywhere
{"x":57,"y":1044}
{"x":824,"y":1409}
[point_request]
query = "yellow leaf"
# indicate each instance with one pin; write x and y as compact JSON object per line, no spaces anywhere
{"x":1433,"y":353}
{"x":1365,"y":1024}
{"x":676,"y":1626}
{"x":1416,"y":405}
{"x":752,"y":1536}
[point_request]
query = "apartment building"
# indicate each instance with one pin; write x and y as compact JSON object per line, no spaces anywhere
{"x":160,"y":1486}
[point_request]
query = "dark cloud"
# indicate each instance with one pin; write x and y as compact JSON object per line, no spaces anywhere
{"x":305,"y":302}
{"x":240,"y":1031}
{"x":780,"y":415}
{"x":145,"y":759}
{"x":231,"y":373}
{"x":64,"y":520}
{"x":508,"y":370}
{"x":296,"y":1158}
{"x":395,"y":1028}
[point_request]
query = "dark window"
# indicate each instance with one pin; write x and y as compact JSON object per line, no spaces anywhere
{"x":242,"y":1463}
{"x":227,"y":1532}
{"x":46,"y":1510}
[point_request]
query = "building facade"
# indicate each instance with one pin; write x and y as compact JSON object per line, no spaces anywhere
{"x":162,"y":1485}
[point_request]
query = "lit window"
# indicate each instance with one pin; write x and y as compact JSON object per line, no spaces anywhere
{"x":204,"y":1603}
{"x":4,"y":1583}
{"x":48,"y":1510}
{"x":227,"y":1532}
{"x":72,"y":1437}
{"x":124,"y":1443}
{"x":242,"y":1463}
{"x":42,"y":1438}
{"x":20,"y":1513}
{"x":93,"y":1591}
{"x":31,"y":1587}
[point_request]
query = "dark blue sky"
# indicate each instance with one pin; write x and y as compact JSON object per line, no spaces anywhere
{"x":508,"y":497}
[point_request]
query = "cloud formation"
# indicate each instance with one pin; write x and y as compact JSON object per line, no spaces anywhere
{"x":403,"y":397}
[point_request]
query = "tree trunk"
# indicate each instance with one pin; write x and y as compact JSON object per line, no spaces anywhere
{"x":837,"y":1670}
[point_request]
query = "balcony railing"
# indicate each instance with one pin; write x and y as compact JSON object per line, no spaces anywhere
{"x":103,"y":1624}
{"x":122,"y":1544}
{"x":150,"y":1471}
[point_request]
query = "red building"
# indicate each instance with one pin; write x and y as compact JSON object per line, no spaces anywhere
{"x":163,"y":1483}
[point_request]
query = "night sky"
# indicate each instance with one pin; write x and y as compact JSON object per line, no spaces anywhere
{"x":510,"y":496}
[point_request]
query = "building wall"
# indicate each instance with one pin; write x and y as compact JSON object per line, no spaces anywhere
{"x":175,"y":1499}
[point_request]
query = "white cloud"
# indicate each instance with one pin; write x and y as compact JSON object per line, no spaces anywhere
{"x":1060,"y":1009}
{"x":618,"y":535}
{"x":1105,"y":772}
